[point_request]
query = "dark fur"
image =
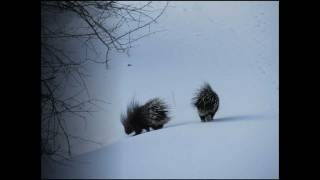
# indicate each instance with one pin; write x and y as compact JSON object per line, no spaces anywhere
{"x":207,"y":102}
{"x":153,"y":114}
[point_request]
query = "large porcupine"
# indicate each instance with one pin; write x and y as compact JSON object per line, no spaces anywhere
{"x":207,"y":102}
{"x":154,"y":114}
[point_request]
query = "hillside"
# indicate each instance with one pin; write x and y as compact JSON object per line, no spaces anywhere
{"x":231,"y":147}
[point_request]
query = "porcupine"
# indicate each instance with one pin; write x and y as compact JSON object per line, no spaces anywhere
{"x":207,"y":102}
{"x":153,"y":114}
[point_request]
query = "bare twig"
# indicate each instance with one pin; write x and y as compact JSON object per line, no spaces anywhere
{"x":115,"y":25}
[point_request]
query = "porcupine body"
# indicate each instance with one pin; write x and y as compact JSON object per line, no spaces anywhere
{"x":153,"y":114}
{"x":207,"y":102}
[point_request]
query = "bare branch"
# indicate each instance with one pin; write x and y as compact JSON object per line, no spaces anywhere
{"x":65,"y":94}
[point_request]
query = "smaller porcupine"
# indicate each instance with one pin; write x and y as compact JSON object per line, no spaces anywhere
{"x":207,"y":102}
{"x":154,"y":114}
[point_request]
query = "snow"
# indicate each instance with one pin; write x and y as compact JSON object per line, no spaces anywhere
{"x":231,"y":45}
{"x":231,"y":147}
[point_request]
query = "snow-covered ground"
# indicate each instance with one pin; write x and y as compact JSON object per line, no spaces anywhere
{"x":231,"y":147}
{"x":231,"y":45}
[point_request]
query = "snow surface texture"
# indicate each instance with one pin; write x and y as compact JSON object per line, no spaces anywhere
{"x":227,"y":148}
{"x":231,"y":45}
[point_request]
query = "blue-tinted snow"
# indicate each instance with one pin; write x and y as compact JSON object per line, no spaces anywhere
{"x":231,"y":45}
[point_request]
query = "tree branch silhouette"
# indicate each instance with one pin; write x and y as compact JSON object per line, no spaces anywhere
{"x":115,"y":25}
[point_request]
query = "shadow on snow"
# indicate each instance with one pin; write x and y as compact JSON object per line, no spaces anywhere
{"x":224,"y":119}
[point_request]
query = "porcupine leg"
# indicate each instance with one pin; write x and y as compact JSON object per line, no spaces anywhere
{"x":158,"y":127}
{"x":138,"y":132}
{"x":212,"y":115}
{"x":202,"y":118}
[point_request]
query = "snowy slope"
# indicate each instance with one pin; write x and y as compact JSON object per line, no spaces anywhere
{"x":231,"y":45}
{"x":231,"y":147}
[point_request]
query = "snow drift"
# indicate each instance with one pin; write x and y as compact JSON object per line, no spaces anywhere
{"x":230,"y":147}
